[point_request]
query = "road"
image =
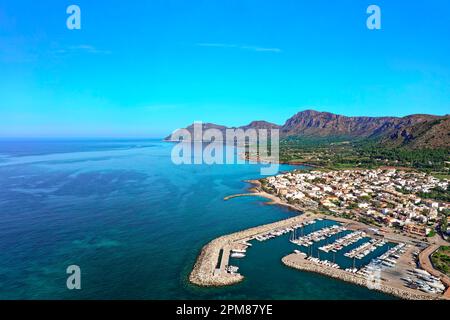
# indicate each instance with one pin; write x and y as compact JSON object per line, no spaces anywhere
{"x":425,"y":262}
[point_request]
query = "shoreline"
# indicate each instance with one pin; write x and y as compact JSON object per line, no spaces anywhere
{"x":256,"y":192}
{"x":260,"y":160}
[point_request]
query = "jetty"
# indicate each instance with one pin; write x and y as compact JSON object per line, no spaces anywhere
{"x":343,"y":242}
{"x":365,"y":249}
{"x":318,"y":236}
{"x":241,"y":195}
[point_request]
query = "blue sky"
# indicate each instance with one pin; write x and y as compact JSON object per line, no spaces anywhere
{"x":142,"y":68}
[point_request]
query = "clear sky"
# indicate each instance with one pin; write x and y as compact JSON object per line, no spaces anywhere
{"x":143,"y":68}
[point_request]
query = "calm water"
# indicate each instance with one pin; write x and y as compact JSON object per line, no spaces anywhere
{"x":134,"y":223}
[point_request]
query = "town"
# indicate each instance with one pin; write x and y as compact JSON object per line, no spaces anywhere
{"x":383,"y":198}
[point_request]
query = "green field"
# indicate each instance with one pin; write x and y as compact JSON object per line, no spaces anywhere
{"x":339,"y":153}
{"x":441,"y":260}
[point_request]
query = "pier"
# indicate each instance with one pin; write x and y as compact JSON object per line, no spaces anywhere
{"x":365,"y":249}
{"x":343,"y":242}
{"x":319,"y":235}
{"x":241,"y":195}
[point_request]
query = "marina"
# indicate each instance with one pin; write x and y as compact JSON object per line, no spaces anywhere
{"x":333,"y":239}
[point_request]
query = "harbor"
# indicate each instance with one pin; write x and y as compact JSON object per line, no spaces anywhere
{"x":340,"y":248}
{"x":391,"y":267}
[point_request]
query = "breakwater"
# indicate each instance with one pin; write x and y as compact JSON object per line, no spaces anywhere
{"x":209,"y":271}
{"x":299,"y":262}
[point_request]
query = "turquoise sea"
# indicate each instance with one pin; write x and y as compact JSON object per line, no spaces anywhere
{"x":134,"y":223}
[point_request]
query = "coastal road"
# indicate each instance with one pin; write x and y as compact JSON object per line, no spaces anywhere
{"x":425,"y":263}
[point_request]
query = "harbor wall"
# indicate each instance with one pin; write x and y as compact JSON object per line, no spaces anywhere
{"x":294,"y":261}
{"x":204,"y":272}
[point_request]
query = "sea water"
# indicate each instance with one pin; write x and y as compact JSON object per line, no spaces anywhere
{"x":134,"y":223}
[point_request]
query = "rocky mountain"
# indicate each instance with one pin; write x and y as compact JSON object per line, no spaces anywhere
{"x":420,"y":133}
{"x":312,"y":123}
{"x":257,"y":125}
{"x":414,"y":131}
{"x":260,"y":125}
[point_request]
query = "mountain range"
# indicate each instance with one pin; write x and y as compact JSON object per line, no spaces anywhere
{"x":417,"y":131}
